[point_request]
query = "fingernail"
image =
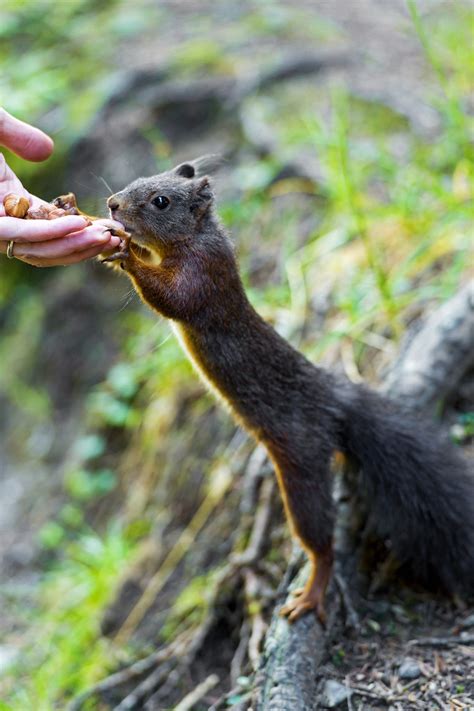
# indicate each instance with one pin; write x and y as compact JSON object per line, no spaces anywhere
{"x":114,"y":241}
{"x":76,"y":222}
{"x":103,"y":236}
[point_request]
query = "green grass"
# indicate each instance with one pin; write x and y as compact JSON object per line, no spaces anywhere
{"x":64,"y":651}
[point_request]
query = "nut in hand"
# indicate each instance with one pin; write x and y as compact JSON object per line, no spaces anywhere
{"x":16,"y":205}
{"x":40,"y":213}
{"x":57,"y":212}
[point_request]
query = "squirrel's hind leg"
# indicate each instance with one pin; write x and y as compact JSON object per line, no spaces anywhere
{"x":306,"y":492}
{"x":311,"y":597}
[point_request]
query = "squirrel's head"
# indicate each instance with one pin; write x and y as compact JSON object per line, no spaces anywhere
{"x":164,"y":209}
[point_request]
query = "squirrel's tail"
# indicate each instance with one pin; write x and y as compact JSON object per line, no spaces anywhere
{"x":419,"y":489}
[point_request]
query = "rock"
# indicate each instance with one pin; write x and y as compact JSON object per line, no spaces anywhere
{"x":409,"y":669}
{"x":334,"y":694}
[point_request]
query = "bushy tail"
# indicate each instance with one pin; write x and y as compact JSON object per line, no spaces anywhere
{"x":420,"y":491}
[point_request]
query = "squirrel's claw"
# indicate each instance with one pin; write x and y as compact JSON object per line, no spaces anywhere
{"x":304,"y":600}
{"x":124,"y":251}
{"x":116,"y":232}
{"x":124,"y":254}
{"x":295,"y":609}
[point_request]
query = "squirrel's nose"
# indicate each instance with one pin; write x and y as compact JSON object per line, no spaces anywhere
{"x":113,"y":203}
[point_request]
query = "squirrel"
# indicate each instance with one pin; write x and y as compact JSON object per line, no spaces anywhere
{"x":420,"y":492}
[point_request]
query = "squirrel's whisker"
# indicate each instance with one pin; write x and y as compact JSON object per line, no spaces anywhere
{"x":103,"y":180}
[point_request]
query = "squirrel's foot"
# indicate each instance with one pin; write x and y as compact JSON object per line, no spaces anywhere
{"x":311,"y":597}
{"x":124,"y":252}
{"x":304,"y":600}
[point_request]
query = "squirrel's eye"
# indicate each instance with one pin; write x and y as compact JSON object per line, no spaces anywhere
{"x":161,"y":202}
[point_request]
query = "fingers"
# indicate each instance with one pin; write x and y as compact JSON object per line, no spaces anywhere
{"x":108,"y":222}
{"x":74,"y":258}
{"x":24,"y":140}
{"x":66,"y":246}
{"x":12,"y":228}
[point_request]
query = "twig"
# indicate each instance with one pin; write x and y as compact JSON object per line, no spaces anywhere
{"x":439,"y":701}
{"x":198,"y":693}
{"x":258,"y":537}
{"x":441,"y":641}
{"x":222,"y":700}
{"x":362,"y":691}
{"x":348,"y":361}
{"x":147,"y":686}
{"x":252,"y":594}
{"x":136,"y":669}
{"x":187,"y":652}
{"x":349,"y":697}
{"x":240,"y":654}
{"x":254,"y":471}
{"x":384,"y":697}
{"x":259,"y":627}
{"x":353,"y":619}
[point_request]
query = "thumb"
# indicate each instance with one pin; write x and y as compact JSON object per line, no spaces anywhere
{"x":24,"y":140}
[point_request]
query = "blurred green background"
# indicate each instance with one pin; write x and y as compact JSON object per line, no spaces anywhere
{"x":348,"y":192}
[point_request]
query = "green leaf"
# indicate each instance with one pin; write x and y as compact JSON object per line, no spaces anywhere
{"x":89,"y":447}
{"x":51,"y":534}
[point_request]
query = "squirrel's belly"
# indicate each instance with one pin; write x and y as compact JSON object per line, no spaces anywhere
{"x":236,"y":399}
{"x":197,"y":364}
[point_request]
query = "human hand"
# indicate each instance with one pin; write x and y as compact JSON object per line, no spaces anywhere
{"x":44,"y":243}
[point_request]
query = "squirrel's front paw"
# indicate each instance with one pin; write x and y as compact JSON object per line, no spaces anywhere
{"x":124,"y":252}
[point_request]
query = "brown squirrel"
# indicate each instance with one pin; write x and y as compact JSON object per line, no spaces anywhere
{"x":418,"y":487}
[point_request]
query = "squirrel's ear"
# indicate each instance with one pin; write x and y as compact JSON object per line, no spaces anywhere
{"x":185,"y":170}
{"x":203,"y":197}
